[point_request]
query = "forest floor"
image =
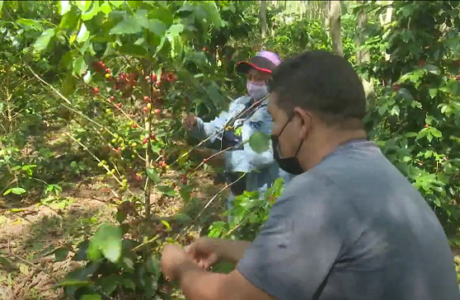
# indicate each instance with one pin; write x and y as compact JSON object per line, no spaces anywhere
{"x":31,"y":229}
{"x":30,"y":234}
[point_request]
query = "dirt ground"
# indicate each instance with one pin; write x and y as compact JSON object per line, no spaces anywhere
{"x":30,"y":234}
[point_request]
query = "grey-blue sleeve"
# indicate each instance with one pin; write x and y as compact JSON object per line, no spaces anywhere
{"x":298,"y":245}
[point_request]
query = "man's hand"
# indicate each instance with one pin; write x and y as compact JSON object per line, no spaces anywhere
{"x":172,"y":258}
{"x":198,"y":284}
{"x":190,"y":121}
{"x":205,"y":252}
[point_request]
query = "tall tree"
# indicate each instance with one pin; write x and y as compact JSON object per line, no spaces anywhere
{"x":263,"y":18}
{"x":335,"y":27}
{"x":363,"y":55}
{"x":385,"y":20}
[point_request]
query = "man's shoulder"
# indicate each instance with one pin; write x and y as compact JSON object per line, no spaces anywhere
{"x":310,"y":182}
{"x":310,"y":191}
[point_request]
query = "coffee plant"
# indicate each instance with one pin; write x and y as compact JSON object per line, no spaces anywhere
{"x":96,"y":91}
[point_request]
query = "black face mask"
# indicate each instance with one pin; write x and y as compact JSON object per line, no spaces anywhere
{"x":288,"y":164}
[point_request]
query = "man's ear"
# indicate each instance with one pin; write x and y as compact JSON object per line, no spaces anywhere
{"x":305,"y":121}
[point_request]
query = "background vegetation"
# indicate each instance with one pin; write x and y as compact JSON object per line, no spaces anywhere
{"x":96,"y":170}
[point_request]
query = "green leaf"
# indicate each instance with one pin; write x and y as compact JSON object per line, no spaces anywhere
{"x":186,"y":192}
{"x":422,"y":133}
{"x":127,"y":263}
{"x":135,"y":4}
{"x":129,"y":25}
{"x":91,"y":297}
{"x":117,"y":3}
{"x":16,"y":191}
{"x":166,"y":224}
{"x":435,"y":132}
{"x":69,"y":84}
{"x":30,"y":24}
{"x":70,"y":20}
{"x":112,"y":245}
{"x":61,"y":254}
{"x":74,"y":282}
{"x":395,"y":111}
{"x":109,"y":284}
{"x":406,"y":36}
{"x":166,"y":190}
{"x":411,"y":134}
{"x":83,"y":5}
{"x":141,"y":17}
{"x":42,"y":42}
{"x":105,"y":8}
{"x":455,"y":87}
{"x":128,"y":284}
{"x":79,"y":66}
{"x":383,"y":109}
{"x":175,"y":29}
{"x":133,"y":50}
{"x":433,"y":92}
{"x":83,"y":34}
{"x":93,"y":12}
{"x":223,"y":268}
{"x":152,"y":265}
{"x":81,"y":253}
{"x":108,"y":239}
{"x":214,"y":93}
{"x":87,"y":78}
{"x":93,"y":252}
{"x":212,"y":11}
{"x":156,"y":27}
{"x":153,"y":175}
{"x":259,"y":142}
{"x":432,"y":69}
{"x":110,"y":50}
{"x":120,"y":216}
{"x":64,"y":7}
{"x":405,"y":94}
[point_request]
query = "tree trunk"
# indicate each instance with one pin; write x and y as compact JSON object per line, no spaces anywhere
{"x":263,"y":18}
{"x":385,"y":19}
{"x":363,"y":55}
{"x":335,"y":28}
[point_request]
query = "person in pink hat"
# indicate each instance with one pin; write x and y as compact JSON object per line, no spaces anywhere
{"x":247,"y":114}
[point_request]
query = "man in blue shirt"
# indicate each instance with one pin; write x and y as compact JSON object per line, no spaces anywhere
{"x":350,"y":226}
{"x":249,"y":114}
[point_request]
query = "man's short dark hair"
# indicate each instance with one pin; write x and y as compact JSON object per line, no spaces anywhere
{"x":321,"y":82}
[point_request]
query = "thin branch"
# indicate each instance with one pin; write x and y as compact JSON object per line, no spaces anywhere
{"x":188,"y":228}
{"x":145,"y":243}
{"x":67,"y":100}
{"x":99,"y":161}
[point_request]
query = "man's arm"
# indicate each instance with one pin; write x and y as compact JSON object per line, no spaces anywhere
{"x":233,"y":251}
{"x":198,"y":284}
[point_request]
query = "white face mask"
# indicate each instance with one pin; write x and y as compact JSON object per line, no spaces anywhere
{"x":257,"y":90}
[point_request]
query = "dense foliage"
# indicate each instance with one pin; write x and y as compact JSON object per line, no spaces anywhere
{"x":97,"y":90}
